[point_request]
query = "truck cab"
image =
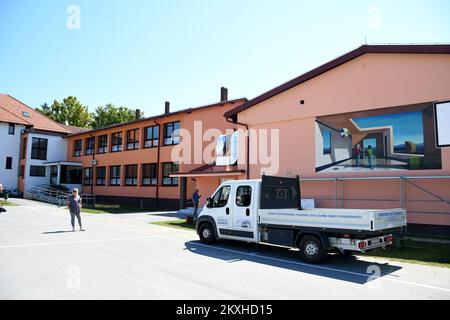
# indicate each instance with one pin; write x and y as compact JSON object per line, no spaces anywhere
{"x":232,"y":210}
{"x":269,"y":211}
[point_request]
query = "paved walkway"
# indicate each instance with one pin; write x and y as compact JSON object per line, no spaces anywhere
{"x":124,"y":257}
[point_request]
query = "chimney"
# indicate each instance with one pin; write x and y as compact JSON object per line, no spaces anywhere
{"x":167,"y":108}
{"x":223,"y":94}
{"x":138,"y":114}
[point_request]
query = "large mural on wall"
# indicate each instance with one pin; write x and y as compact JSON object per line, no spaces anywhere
{"x":397,"y":138}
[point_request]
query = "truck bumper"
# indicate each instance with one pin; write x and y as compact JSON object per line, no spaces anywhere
{"x":361,"y":245}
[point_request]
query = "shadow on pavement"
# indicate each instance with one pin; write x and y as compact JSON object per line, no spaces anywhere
{"x":57,"y":232}
{"x":345,"y":268}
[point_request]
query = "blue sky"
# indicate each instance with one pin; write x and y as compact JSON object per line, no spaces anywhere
{"x":142,"y":53}
{"x":408,"y":126}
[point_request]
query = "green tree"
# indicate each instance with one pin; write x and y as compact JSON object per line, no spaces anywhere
{"x":110,"y":114}
{"x":69,"y":111}
{"x":45,"y":110}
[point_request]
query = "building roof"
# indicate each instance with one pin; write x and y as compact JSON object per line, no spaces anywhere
{"x":164,"y":115}
{"x":74,"y":129}
{"x":210,"y":170}
{"x":15,"y":111}
{"x":411,"y":49}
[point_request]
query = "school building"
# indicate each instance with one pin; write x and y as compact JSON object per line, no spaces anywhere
{"x":361,"y":131}
{"x":131,"y":163}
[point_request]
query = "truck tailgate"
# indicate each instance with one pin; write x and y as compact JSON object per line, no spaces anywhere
{"x":387,"y":219}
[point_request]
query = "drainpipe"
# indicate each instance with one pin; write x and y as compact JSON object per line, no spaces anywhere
{"x":248,"y":144}
{"x":92,"y":165}
{"x":157,"y":163}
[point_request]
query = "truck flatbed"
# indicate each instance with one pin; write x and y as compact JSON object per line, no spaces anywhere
{"x":344,"y":219}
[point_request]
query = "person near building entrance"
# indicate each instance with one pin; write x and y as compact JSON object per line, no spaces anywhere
{"x":74,"y":205}
{"x":370,"y":156}
{"x":195,"y":199}
{"x":357,"y":154}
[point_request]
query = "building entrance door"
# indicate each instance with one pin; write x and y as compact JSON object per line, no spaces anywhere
{"x":53,"y":175}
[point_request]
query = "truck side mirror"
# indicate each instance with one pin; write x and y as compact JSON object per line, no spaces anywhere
{"x":208,"y":203}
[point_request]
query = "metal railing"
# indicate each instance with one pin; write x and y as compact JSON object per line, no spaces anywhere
{"x":54,"y":196}
{"x":402,"y":199}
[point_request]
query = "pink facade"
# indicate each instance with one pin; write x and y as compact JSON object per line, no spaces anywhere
{"x":368,"y":82}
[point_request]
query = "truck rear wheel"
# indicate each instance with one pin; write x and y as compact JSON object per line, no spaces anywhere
{"x":206,"y":233}
{"x":311,"y":249}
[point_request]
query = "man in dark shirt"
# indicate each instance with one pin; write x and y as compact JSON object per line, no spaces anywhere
{"x":2,"y":195}
{"x":195,"y":199}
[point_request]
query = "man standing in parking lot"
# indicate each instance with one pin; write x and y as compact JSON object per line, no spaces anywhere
{"x":195,"y":199}
{"x":2,"y":195}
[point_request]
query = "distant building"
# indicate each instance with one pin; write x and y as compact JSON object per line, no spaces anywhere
{"x":33,"y":149}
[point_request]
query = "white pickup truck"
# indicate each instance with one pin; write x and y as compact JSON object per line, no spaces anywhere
{"x":268,"y":211}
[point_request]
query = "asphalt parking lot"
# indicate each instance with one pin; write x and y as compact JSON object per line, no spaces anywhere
{"x":124,"y":257}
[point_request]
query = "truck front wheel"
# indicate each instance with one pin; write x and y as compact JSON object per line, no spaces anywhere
{"x":311,"y":249}
{"x":206,"y":233}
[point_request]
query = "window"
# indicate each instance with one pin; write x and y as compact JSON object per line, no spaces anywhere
{"x":133,"y":139}
{"x":131,"y":175}
{"x":171,"y":133}
{"x":326,"y":141}
{"x":71,"y":174}
{"x":77,"y":147}
{"x":100,"y":176}
{"x":169,"y":168}
{"x":220,"y":198}
{"x":149,"y":174}
{"x":37,"y":171}
{"x":116,"y":142}
{"x":243,"y":196}
{"x":151,"y":137}
{"x":90,"y":145}
{"x":39,"y":149}
{"x":8,"y":163}
{"x":102,"y":144}
{"x":279,"y":193}
{"x":87,"y":176}
{"x":25,"y":114}
{"x":11,"y":128}
{"x":114,"y":176}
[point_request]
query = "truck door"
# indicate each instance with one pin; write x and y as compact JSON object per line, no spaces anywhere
{"x":243,"y":214}
{"x":219,"y":208}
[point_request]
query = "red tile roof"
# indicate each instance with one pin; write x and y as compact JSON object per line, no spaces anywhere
{"x":74,"y":129}
{"x":14,"y":111}
{"x":161,"y":116}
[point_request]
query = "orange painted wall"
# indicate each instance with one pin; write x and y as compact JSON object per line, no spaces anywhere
{"x":211,"y":117}
{"x":372,"y":81}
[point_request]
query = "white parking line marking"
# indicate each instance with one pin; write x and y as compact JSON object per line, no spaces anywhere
{"x":385,"y":277}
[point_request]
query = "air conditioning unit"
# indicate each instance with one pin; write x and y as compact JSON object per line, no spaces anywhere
{"x":227,"y":149}
{"x":94,"y":162}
